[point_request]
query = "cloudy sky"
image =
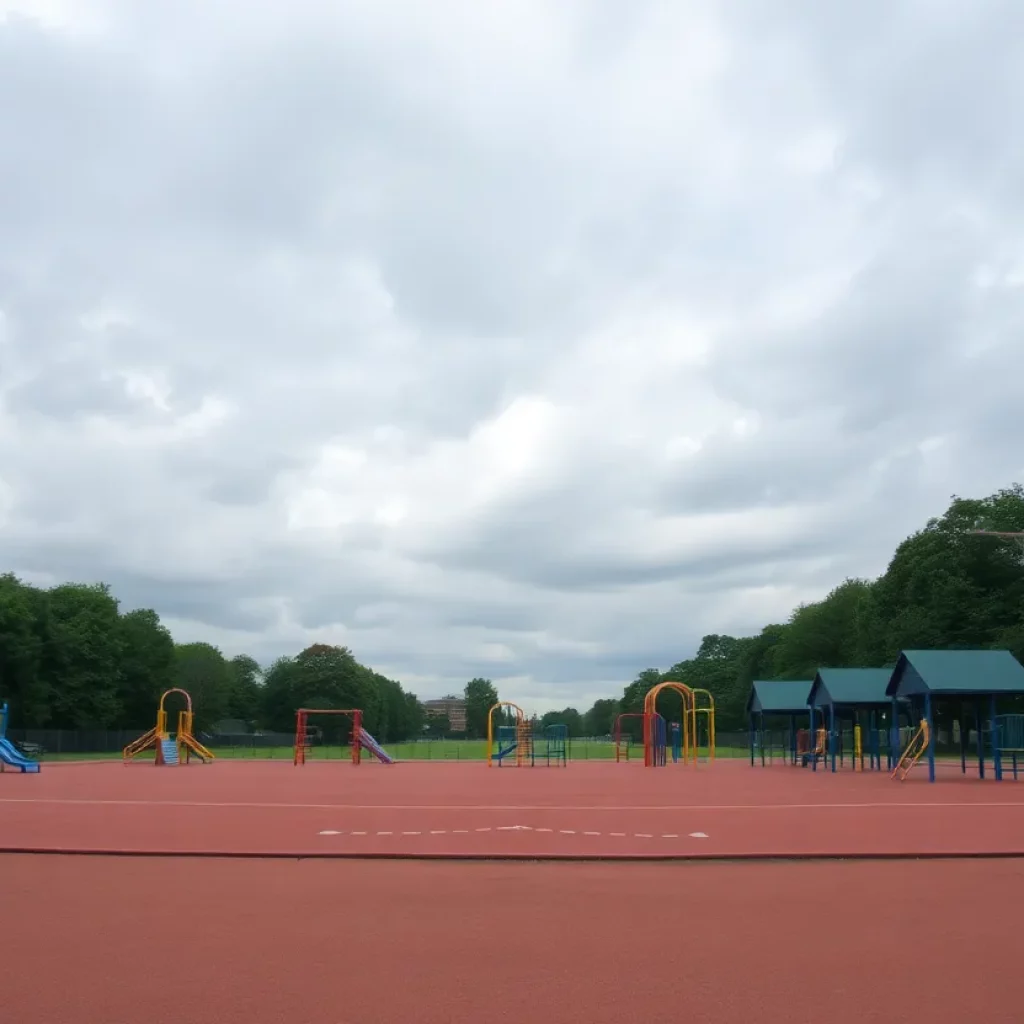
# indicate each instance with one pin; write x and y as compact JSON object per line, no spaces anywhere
{"x":529,"y":340}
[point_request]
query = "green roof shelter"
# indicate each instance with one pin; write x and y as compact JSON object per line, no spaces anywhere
{"x":776,"y":698}
{"x":979,"y":680}
{"x":853,"y":694}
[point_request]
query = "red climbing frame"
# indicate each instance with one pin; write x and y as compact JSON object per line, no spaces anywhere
{"x":301,"y":730}
{"x":622,"y":753}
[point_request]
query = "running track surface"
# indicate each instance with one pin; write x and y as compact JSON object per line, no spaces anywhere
{"x":597,"y":810}
{"x":95,"y":940}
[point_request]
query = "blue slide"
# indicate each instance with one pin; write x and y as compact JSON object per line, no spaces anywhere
{"x":367,"y":741}
{"x":10,"y":754}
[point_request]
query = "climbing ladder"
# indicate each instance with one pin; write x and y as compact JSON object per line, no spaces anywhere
{"x":915,"y":748}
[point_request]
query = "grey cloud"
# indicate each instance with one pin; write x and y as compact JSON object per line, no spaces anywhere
{"x":336,"y":227}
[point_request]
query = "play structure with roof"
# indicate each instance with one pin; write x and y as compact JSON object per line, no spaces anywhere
{"x":170,"y":748}
{"x":895,"y":709}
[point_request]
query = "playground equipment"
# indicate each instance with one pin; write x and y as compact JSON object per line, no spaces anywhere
{"x":912,"y":754}
{"x":697,"y":728}
{"x":1010,"y":741}
{"x":556,"y":746}
{"x":168,"y":749}
{"x":9,"y":753}
{"x":359,"y":740}
{"x":518,"y":740}
{"x":623,"y":741}
{"x":806,"y":756}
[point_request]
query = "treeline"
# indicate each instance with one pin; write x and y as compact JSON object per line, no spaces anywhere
{"x":70,"y":659}
{"x":945,"y":587}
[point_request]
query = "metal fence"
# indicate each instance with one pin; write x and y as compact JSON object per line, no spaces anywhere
{"x":95,"y":743}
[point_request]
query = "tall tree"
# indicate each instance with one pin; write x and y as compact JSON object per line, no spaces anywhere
{"x":83,"y":652}
{"x":148,"y":665}
{"x":203,"y":672}
{"x":481,"y":696}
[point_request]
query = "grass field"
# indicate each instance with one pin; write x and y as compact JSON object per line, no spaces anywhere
{"x":432,"y":750}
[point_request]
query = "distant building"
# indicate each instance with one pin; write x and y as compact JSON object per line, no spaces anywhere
{"x":453,"y":707}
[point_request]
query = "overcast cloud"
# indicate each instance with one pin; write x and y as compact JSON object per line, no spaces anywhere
{"x":529,"y":340}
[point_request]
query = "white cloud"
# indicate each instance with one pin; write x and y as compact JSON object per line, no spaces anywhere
{"x":531,"y":343}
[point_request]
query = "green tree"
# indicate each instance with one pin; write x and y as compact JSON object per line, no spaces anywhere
{"x":599,"y":720}
{"x":481,"y":696}
{"x":245,"y":698}
{"x":82,"y":655}
{"x":569,"y":717}
{"x":148,"y":665}
{"x":22,"y":622}
{"x":204,"y":673}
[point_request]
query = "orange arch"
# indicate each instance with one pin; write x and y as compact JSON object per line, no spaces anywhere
{"x":176,"y":689}
{"x":686,"y":726}
{"x":521,"y":730}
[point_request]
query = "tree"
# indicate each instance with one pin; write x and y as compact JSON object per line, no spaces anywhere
{"x":599,"y":720}
{"x":569,"y":717}
{"x":148,"y":665}
{"x":25,"y":686}
{"x":244,"y":695}
{"x":204,"y":673}
{"x":82,"y":655}
{"x":480,"y":696}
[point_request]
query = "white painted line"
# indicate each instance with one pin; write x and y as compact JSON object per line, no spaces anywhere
{"x":642,"y":835}
{"x":438,"y":831}
{"x":567,"y":831}
{"x":411,"y":833}
{"x":460,"y":831}
{"x":494,"y":808}
{"x":698,"y":835}
{"x":483,"y":830}
{"x":330,"y":832}
{"x":591,"y":833}
{"x":543,"y":830}
{"x":616,"y":833}
{"x":359,"y":833}
{"x":385,"y":833}
{"x":670,"y":835}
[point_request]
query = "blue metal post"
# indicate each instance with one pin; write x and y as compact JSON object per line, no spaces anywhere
{"x":993,"y":728}
{"x":964,"y":731}
{"x":931,"y":736}
{"x":811,"y":745}
{"x":832,"y":735}
{"x":894,"y":735}
{"x":981,"y":738}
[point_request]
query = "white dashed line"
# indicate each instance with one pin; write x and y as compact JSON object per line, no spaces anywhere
{"x":519,"y":828}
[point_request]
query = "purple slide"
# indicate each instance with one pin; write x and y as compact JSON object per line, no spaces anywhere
{"x":370,"y":744}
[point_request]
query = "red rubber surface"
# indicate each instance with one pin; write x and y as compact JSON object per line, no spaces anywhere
{"x":101,"y":940}
{"x":586,"y":810}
